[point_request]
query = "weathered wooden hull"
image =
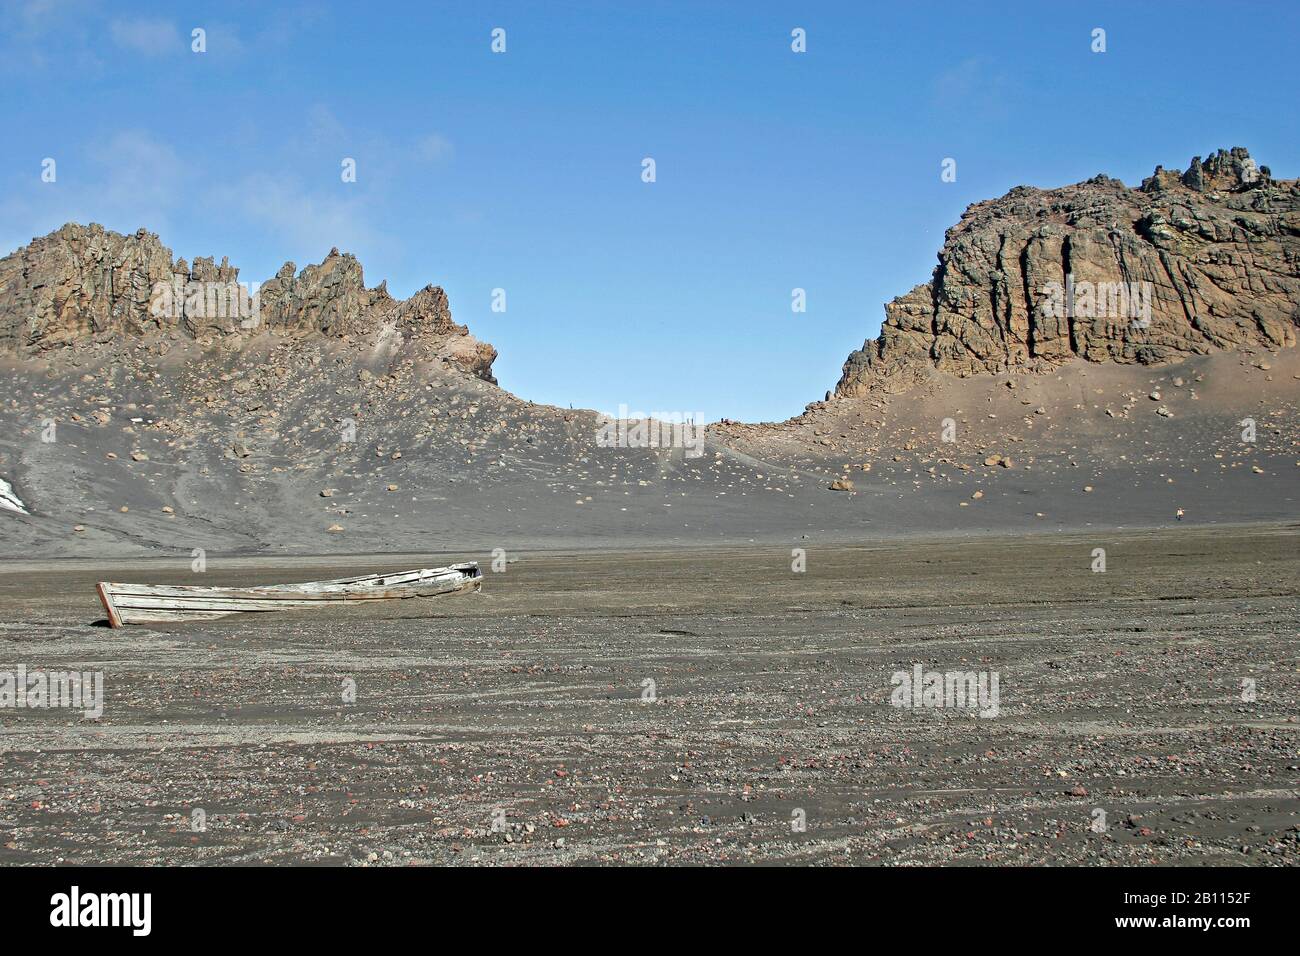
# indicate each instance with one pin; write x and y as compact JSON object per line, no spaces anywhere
{"x":149,"y":603}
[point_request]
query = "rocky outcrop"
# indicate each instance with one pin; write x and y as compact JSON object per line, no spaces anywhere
{"x":84,"y":283}
{"x":1187,"y":263}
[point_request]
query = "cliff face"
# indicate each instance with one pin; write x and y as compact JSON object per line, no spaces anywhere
{"x":86,"y":283}
{"x":1186,"y":264}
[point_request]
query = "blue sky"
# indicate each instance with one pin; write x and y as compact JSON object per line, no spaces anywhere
{"x":522,"y":170}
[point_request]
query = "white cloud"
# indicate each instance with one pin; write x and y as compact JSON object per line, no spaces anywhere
{"x":151,"y":37}
{"x":297,"y":218}
{"x":972,"y":86}
{"x":433,"y":147}
{"x":33,"y":13}
{"x":44,"y":34}
{"x":143,"y":179}
{"x":224,"y":40}
{"x":324,"y":128}
{"x":129,"y":180}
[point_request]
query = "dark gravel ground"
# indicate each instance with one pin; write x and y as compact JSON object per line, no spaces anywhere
{"x":510,"y":727}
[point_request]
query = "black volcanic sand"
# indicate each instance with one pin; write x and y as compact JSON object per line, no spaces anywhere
{"x":1119,"y":691}
{"x":240,"y":447}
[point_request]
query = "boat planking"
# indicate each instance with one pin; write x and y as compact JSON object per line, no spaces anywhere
{"x":153,"y":603}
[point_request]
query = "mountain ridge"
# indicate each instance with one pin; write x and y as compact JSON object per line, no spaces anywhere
{"x":82,"y":283}
{"x":1210,"y":256}
{"x":1187,"y":263}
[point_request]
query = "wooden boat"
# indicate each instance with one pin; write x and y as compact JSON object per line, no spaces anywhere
{"x":148,"y":603}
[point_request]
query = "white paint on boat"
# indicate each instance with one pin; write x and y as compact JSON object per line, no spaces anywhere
{"x":10,"y":501}
{"x":143,"y":603}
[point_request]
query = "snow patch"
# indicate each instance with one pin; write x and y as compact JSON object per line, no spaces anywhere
{"x":10,"y":501}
